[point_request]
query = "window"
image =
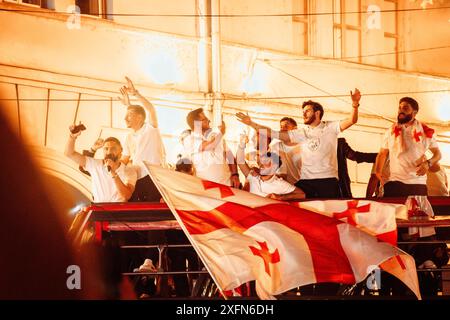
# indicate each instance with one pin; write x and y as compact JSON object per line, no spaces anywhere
{"x":92,"y":7}
{"x":347,"y":30}
{"x":390,"y":28}
{"x":35,"y":3}
{"x":301,"y":22}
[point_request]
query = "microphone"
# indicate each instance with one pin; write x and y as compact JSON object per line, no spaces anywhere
{"x":109,"y":168}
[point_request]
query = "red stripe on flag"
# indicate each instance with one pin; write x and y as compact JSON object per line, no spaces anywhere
{"x":320,"y":232}
{"x":400,"y":261}
{"x":389,"y":237}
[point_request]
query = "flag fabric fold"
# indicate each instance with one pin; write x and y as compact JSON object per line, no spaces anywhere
{"x":242,"y":237}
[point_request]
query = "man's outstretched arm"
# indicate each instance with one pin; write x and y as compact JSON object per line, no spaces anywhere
{"x":70,"y":149}
{"x":282,"y":135}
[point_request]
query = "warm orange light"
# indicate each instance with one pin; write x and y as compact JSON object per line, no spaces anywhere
{"x":162,"y":67}
{"x":256,"y":81}
{"x":444,"y":108}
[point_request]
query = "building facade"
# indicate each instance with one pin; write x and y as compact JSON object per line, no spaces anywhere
{"x":63,"y":61}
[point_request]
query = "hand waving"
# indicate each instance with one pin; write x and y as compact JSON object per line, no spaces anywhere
{"x":130,"y":87}
{"x":244,"y":118}
{"x":125,"y":99}
{"x":356,"y":96}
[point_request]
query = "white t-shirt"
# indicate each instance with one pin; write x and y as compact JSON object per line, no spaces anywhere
{"x":402,"y":164}
{"x":145,"y":145}
{"x":275,"y":147}
{"x":274,"y":185}
{"x":103,"y":187}
{"x":319,"y":149}
{"x":210,"y":164}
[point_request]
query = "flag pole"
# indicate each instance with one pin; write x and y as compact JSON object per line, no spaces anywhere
{"x":180,"y":222}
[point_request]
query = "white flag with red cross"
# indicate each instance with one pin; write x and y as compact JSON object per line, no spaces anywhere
{"x":242,"y":237}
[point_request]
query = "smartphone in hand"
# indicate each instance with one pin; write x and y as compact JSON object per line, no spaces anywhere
{"x":78,"y":128}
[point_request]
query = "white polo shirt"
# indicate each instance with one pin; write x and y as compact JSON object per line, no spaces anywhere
{"x":145,"y":145}
{"x":103,"y":187}
{"x":210,"y":164}
{"x":319,"y":149}
{"x":274,"y":185}
{"x":403,"y":164}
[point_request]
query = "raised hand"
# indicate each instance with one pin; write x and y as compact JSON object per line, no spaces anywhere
{"x":130,"y":87}
{"x":244,"y":118}
{"x":72,"y":128}
{"x":125,"y":99}
{"x":356,"y":96}
{"x":98,"y":144}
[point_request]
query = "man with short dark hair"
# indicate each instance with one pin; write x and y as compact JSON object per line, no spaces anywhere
{"x":406,"y":143}
{"x":287,"y":123}
{"x":210,"y":156}
{"x":265,"y":183}
{"x":143,"y":144}
{"x":112,"y":181}
{"x":290,"y":153}
{"x":318,"y":141}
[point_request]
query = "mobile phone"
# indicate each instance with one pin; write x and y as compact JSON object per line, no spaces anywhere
{"x":78,"y":128}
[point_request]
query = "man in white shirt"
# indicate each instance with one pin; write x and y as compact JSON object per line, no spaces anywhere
{"x":143,"y":144}
{"x":406,"y":142}
{"x":290,"y":153}
{"x":112,"y":181}
{"x":266,"y":183}
{"x":207,"y":149}
{"x":318,"y":142}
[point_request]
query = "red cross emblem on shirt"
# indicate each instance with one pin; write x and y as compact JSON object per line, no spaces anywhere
{"x":397,"y":130}
{"x":225,"y":191}
{"x":352,"y":210}
{"x":264,"y":253}
{"x":417,"y":135}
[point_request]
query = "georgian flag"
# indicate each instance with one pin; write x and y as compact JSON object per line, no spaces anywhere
{"x":242,"y":237}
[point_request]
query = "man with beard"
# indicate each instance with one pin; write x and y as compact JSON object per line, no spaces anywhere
{"x":318,"y":142}
{"x":112,"y":181}
{"x":406,"y":143}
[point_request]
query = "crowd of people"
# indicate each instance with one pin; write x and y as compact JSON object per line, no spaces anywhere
{"x":292,"y":163}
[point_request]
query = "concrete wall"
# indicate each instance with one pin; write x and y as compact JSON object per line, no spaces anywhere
{"x":48,"y":68}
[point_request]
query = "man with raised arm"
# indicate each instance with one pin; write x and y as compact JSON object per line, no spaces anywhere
{"x":318,"y":141}
{"x":208,"y":151}
{"x":406,"y":142}
{"x":265,"y":183}
{"x":144,"y":143}
{"x":112,"y":181}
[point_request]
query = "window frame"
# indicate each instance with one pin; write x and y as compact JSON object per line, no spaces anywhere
{"x":42,"y":3}
{"x":343,"y":27}
{"x":395,"y":35}
{"x":306,"y":21}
